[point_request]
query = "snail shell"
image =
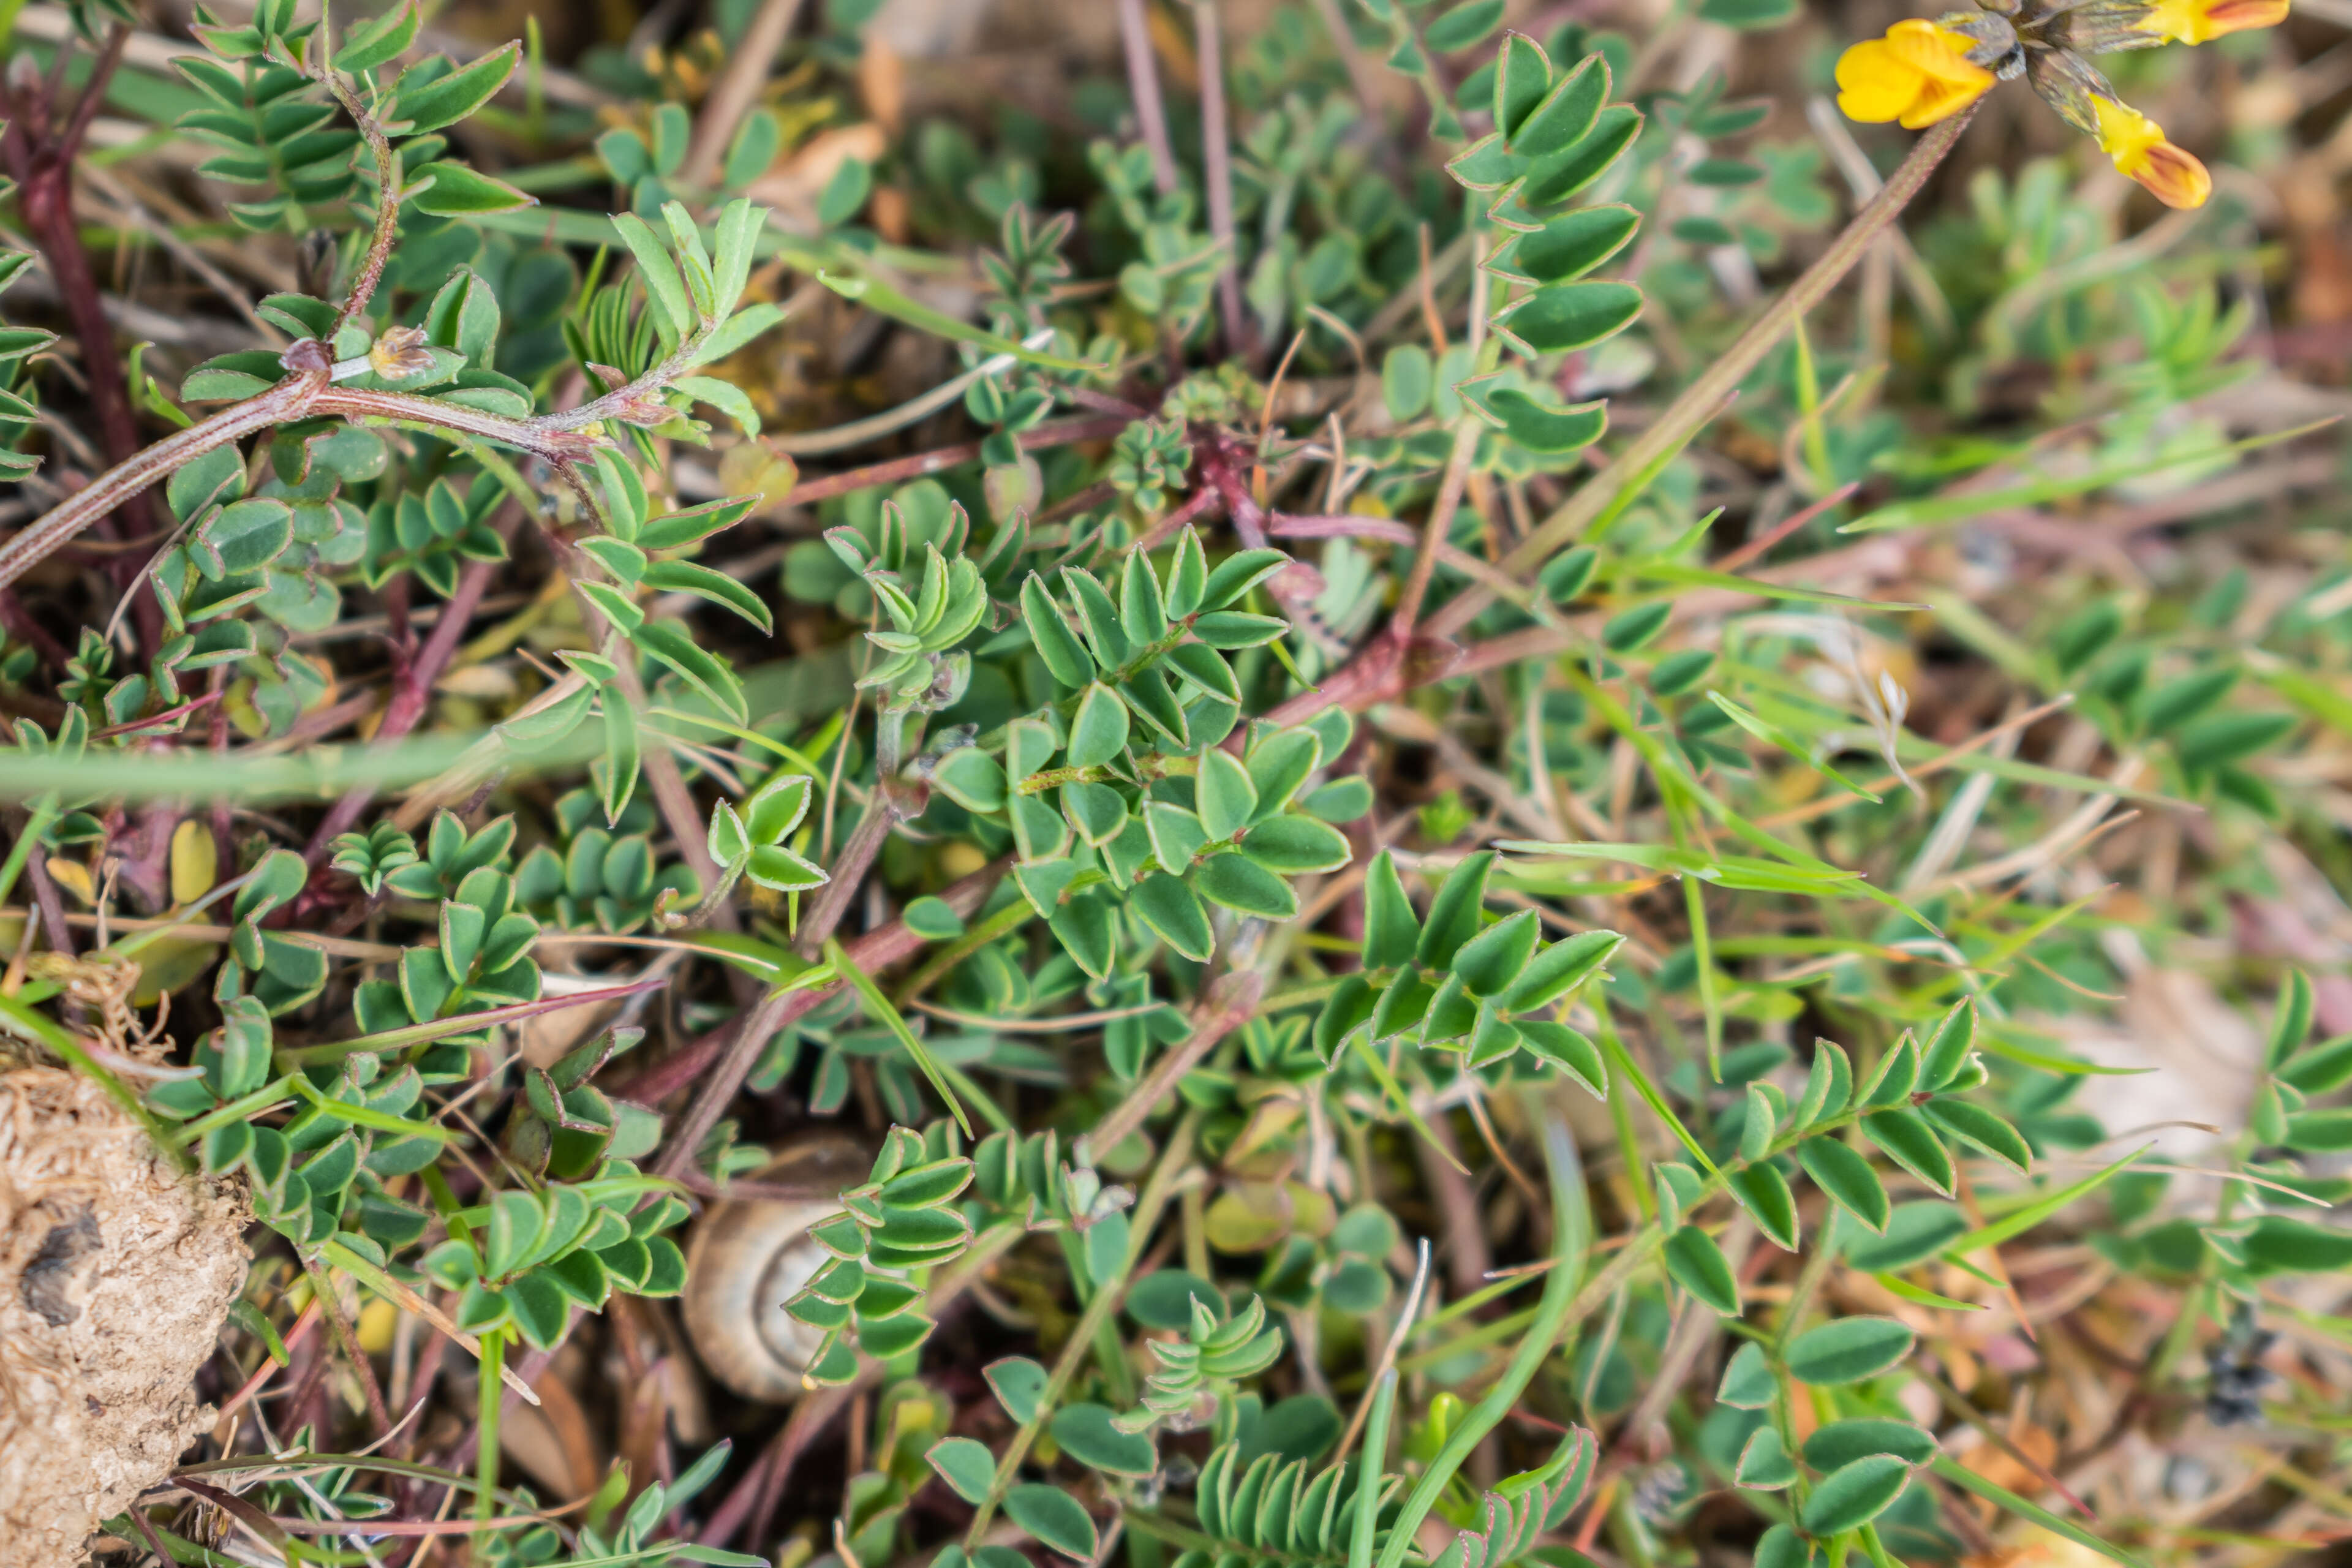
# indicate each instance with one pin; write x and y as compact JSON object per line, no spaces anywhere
{"x":747,"y":1257}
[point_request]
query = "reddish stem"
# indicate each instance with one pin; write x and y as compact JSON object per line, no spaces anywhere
{"x":721,"y":1059}
{"x":1199,"y":506}
{"x":893,"y":803}
{"x":1063,"y":434}
{"x":45,"y":898}
{"x":42,"y":160}
{"x":19,"y":623}
{"x":43,"y":165}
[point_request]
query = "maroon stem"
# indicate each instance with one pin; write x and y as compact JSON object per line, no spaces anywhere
{"x":44,"y":197}
{"x":19,"y":623}
{"x":412,"y":694}
{"x":42,"y":160}
{"x":350,"y":1345}
{"x":1343,"y":527}
{"x":1143,"y":82}
{"x":45,"y":898}
{"x":753,"y":1499}
{"x":1224,"y":463}
{"x":224,"y":823}
{"x":1194,"y":508}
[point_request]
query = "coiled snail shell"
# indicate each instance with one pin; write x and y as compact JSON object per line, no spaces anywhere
{"x":747,"y":1257}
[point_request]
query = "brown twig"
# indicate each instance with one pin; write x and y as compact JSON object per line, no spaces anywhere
{"x":1230,"y":1002}
{"x":348,"y":1344}
{"x":896,"y":471}
{"x":52,"y":908}
{"x":890,"y":804}
{"x":725,"y":1056}
{"x":737,"y":90}
{"x":1143,"y":82}
{"x":1441,"y":523}
{"x":290,"y":400}
{"x":1361,"y":77}
{"x":1217,"y":165}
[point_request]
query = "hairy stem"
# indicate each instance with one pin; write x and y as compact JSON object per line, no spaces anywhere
{"x":28,"y":546}
{"x":554,"y":442}
{"x":387,"y":206}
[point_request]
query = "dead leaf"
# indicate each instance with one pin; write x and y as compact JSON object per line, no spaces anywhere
{"x":793,"y":188}
{"x":2194,"y":1057}
{"x":1994,"y":1464}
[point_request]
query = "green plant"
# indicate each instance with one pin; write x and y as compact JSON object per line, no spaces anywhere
{"x":1338,"y":713}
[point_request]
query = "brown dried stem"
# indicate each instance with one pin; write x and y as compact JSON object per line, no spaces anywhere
{"x":1217,"y":165}
{"x":1615,"y":487}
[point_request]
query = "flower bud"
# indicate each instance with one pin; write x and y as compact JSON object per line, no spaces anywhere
{"x":2199,"y":21}
{"x":2140,"y":152}
{"x":400,"y":353}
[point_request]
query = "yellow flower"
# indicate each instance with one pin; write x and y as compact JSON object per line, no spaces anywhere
{"x":1917,"y":75}
{"x":2136,"y":144}
{"x":2199,"y":21}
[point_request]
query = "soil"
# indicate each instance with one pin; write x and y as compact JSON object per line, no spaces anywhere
{"x":116,"y":1274}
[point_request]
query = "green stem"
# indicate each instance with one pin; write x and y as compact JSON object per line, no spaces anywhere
{"x":486,"y":1459}
{"x":1106,"y":1297}
{"x":268,"y":1096}
{"x":37,"y":821}
{"x":1150,"y":765}
{"x":1808,"y":1279}
{"x":1004,"y":921}
{"x":1174,"y":1534}
{"x":1485,"y":1333}
{"x":1621,"y":1116}
{"x":1571,"y":1234}
{"x":1375,"y":1455}
{"x":883,"y":1013}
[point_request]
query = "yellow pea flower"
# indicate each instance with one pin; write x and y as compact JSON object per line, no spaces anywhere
{"x":2136,"y":144}
{"x":2199,"y":21}
{"x":1917,"y":75}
